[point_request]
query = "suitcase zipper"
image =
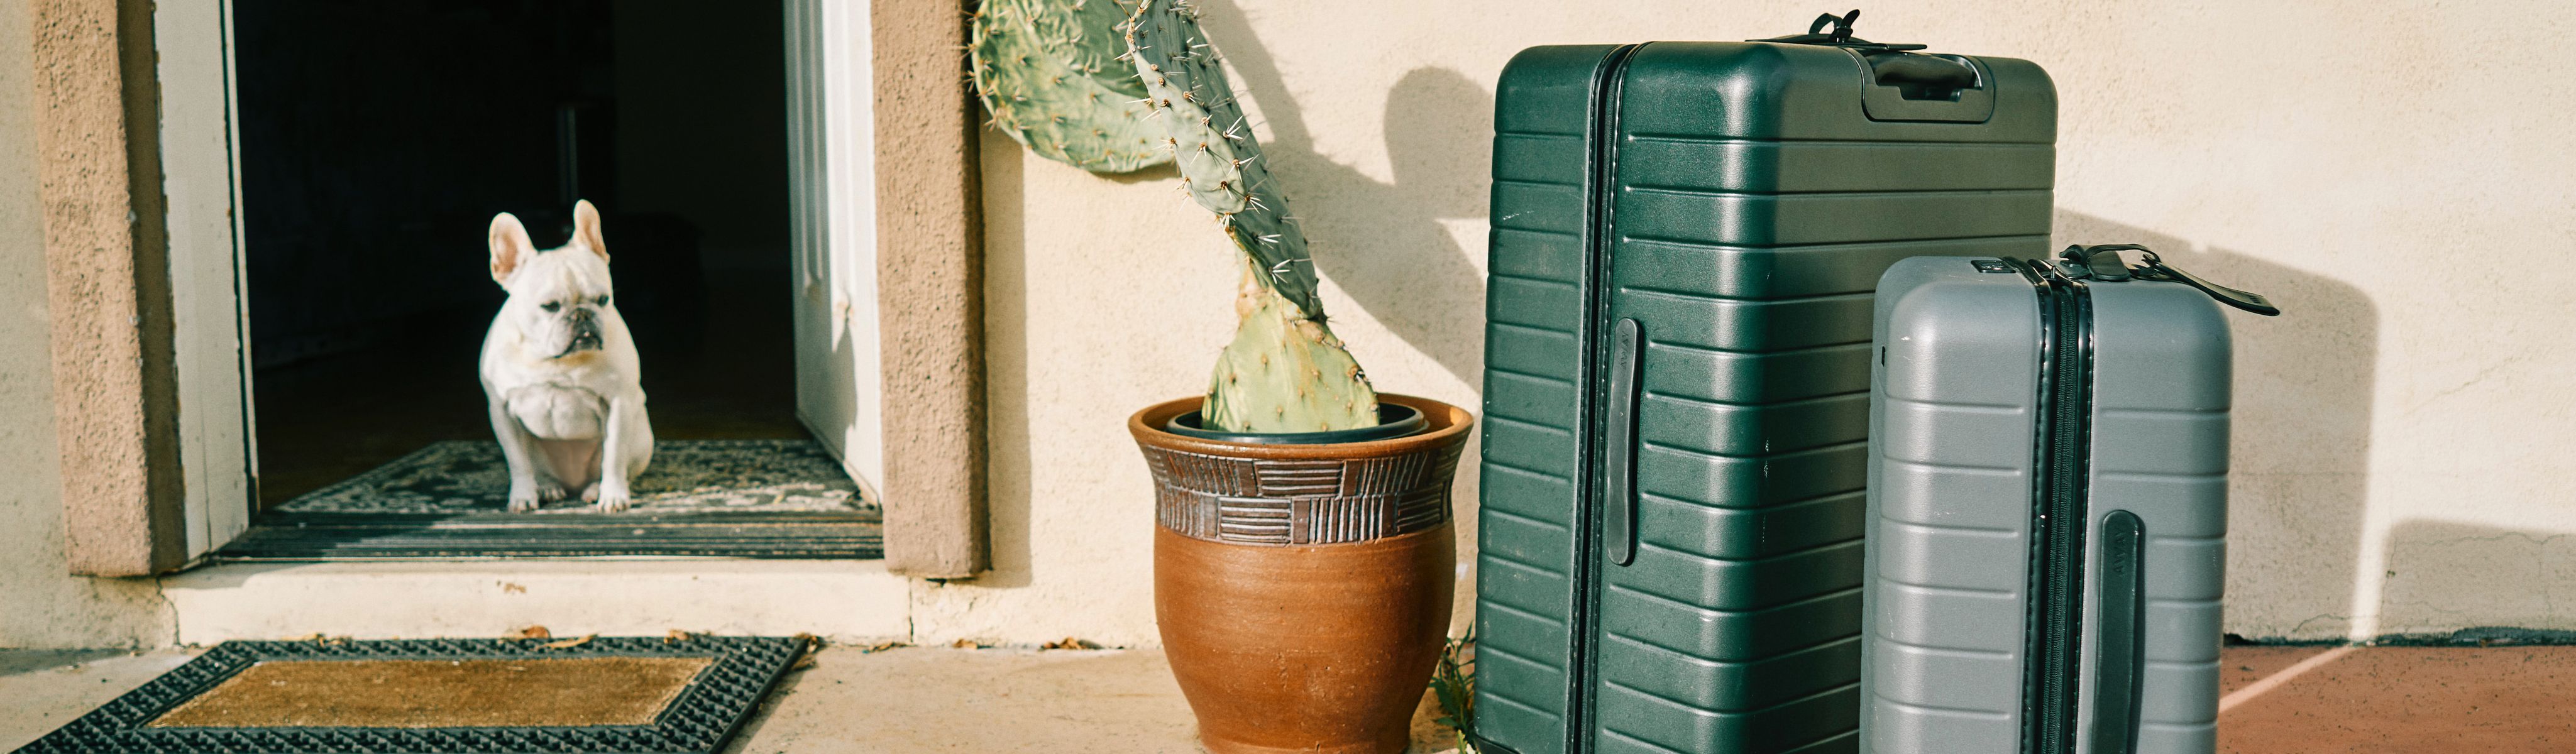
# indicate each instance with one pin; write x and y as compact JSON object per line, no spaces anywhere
{"x":1601,"y":141}
{"x":2056,"y":617}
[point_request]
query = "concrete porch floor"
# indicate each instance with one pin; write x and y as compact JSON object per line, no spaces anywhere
{"x":2280,"y":700}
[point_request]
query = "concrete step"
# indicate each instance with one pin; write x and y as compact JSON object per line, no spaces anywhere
{"x":842,"y":600}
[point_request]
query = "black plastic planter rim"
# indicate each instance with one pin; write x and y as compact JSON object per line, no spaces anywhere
{"x":1393,"y":421}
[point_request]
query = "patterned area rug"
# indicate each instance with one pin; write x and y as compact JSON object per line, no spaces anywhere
{"x":686,"y":476}
{"x":700,"y":498}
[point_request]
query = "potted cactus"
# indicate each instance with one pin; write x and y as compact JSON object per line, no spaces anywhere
{"x":1304,"y":559}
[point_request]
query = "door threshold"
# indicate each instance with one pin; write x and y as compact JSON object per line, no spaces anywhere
{"x":842,"y":600}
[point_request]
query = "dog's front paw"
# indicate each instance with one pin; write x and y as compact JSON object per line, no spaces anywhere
{"x":530,"y":495}
{"x":609,"y":501}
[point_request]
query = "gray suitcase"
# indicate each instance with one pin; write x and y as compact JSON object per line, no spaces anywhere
{"x":2010,"y":396}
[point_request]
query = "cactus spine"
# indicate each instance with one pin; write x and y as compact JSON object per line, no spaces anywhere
{"x":1285,"y":371}
{"x":1050,"y":72}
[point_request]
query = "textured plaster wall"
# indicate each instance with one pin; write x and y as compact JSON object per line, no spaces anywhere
{"x":2398,"y":178}
{"x":40,"y":604}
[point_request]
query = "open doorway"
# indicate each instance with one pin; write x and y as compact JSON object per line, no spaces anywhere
{"x":377,"y":141}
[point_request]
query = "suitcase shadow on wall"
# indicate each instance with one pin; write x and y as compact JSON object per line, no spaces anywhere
{"x":1383,"y":242}
{"x":2299,"y":464}
{"x":2443,"y":577}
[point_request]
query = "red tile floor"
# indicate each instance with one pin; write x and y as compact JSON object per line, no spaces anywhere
{"x":2398,"y":700}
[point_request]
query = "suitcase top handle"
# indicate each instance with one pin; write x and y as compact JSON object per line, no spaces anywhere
{"x":2103,"y":263}
{"x":1939,"y":76}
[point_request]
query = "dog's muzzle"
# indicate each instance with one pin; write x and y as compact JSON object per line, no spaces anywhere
{"x":585,"y":334}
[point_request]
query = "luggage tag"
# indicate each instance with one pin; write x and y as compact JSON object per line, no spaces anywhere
{"x":1840,"y":36}
{"x":2104,"y":263}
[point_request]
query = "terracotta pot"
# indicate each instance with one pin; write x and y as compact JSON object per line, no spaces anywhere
{"x":1303,"y":590}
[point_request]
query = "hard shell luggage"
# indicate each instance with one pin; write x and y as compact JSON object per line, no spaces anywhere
{"x":2048,"y":507}
{"x":1685,"y":240}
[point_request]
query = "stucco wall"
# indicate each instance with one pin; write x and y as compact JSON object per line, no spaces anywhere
{"x":2397,"y":178}
{"x":40,"y":604}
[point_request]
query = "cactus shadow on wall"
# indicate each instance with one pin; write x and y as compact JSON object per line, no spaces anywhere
{"x":1383,"y":242}
{"x":2299,"y":469}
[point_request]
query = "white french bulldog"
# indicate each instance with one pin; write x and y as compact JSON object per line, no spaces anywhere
{"x":560,"y":371}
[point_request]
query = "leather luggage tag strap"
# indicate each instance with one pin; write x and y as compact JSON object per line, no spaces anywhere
{"x":2103,"y":263}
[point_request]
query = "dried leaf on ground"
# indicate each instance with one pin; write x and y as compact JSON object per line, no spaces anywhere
{"x":965,"y":644}
{"x":533,"y":632}
{"x":1070,"y":643}
{"x":882,"y":646}
{"x":676,"y":636}
{"x":569,"y":643}
{"x":803,"y":661}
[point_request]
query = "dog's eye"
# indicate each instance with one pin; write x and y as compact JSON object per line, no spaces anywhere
{"x":551,"y":306}
{"x":603,"y":300}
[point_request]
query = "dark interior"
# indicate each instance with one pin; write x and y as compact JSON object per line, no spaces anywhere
{"x":379,"y":138}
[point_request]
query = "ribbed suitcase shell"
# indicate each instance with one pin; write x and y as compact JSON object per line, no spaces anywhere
{"x":1742,"y":209}
{"x":1954,"y":441}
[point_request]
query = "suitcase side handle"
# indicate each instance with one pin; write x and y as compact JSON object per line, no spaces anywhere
{"x":1619,"y":445}
{"x":2119,"y":652}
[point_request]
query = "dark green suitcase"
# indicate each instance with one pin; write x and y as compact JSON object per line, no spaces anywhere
{"x":1685,"y":238}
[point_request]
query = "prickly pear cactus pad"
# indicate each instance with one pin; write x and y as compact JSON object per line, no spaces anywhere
{"x":1212,"y":143}
{"x":1051,"y":72}
{"x":1286,"y":373}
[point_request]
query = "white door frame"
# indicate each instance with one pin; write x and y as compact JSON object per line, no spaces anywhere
{"x":218,"y":454}
{"x":832,"y":192}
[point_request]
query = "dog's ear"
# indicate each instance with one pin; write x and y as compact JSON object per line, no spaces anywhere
{"x":585,"y":227}
{"x":510,"y":247}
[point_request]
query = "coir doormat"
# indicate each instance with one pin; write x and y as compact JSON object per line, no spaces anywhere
{"x":443,"y":696}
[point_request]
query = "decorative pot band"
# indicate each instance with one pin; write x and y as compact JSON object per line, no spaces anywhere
{"x":1241,"y":493}
{"x":1301,"y":502}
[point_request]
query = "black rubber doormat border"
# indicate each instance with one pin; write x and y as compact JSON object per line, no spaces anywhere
{"x":852,"y":535}
{"x":702,"y":719}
